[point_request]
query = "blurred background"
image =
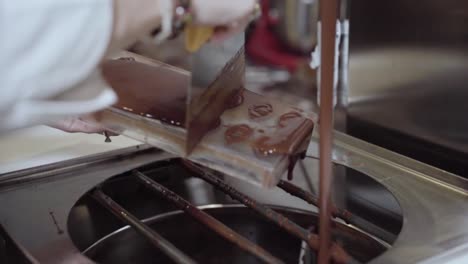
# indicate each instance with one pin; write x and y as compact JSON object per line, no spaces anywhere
{"x":403,"y":71}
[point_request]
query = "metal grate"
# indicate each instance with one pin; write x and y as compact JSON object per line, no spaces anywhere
{"x":338,"y":254}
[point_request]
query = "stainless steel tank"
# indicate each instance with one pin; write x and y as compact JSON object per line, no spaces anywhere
{"x":297,"y":23}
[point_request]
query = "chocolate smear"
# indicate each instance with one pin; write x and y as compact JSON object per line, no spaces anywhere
{"x":287,"y":138}
{"x":238,"y":133}
{"x":286,"y":118}
{"x":260,"y":110}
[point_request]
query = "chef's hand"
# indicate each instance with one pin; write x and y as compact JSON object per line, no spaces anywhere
{"x":231,"y":16}
{"x":84,"y":124}
{"x":137,"y":18}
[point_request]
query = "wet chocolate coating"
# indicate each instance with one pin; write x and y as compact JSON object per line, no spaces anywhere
{"x":156,"y":92}
{"x":238,"y":133}
{"x":286,"y":139}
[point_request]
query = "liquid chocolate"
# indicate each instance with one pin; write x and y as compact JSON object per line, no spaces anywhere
{"x":287,"y":138}
{"x":293,"y":159}
{"x":328,"y":11}
{"x":238,"y":133}
{"x":259,"y":111}
{"x":156,"y":92}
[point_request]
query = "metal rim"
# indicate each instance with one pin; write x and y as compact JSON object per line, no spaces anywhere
{"x":218,"y":206}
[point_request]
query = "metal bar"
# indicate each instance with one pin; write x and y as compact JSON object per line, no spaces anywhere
{"x":339,"y":255}
{"x":312,"y":199}
{"x":157,"y":240}
{"x":306,"y":256}
{"x":208,"y":220}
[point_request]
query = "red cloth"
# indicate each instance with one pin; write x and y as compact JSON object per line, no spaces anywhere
{"x":264,"y":47}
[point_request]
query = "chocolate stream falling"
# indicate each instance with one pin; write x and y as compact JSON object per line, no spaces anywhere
{"x":328,"y":12}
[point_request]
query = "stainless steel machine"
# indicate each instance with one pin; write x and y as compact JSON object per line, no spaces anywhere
{"x":400,"y":89}
{"x":407,"y":79}
{"x":52,"y":211}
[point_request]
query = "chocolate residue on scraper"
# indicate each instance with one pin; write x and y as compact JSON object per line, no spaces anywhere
{"x":155,"y":92}
{"x":238,"y":133}
{"x":287,"y":138}
{"x":237,"y":100}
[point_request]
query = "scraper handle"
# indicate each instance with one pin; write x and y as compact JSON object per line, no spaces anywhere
{"x":196,"y":36}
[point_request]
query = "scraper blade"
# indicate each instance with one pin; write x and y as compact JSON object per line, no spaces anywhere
{"x":218,"y":71}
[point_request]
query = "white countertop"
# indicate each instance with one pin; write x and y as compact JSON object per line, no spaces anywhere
{"x":41,"y":145}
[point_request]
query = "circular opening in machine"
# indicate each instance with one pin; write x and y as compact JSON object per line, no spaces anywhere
{"x":104,"y":238}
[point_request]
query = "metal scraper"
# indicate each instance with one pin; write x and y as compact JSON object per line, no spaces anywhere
{"x":218,"y":71}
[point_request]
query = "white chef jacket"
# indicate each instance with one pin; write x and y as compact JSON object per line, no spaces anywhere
{"x":49,"y":56}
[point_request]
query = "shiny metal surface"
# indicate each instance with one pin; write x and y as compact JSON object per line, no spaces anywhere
{"x":434,"y":203}
{"x":149,"y":234}
{"x":407,"y":78}
{"x":46,"y":201}
{"x":49,"y":171}
{"x":207,"y":220}
{"x":212,"y":249}
{"x":12,"y":252}
{"x":297,"y":23}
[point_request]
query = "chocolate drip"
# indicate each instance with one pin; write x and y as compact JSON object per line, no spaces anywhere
{"x":259,"y":111}
{"x":287,"y":138}
{"x":238,"y":133}
{"x":293,"y":159}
